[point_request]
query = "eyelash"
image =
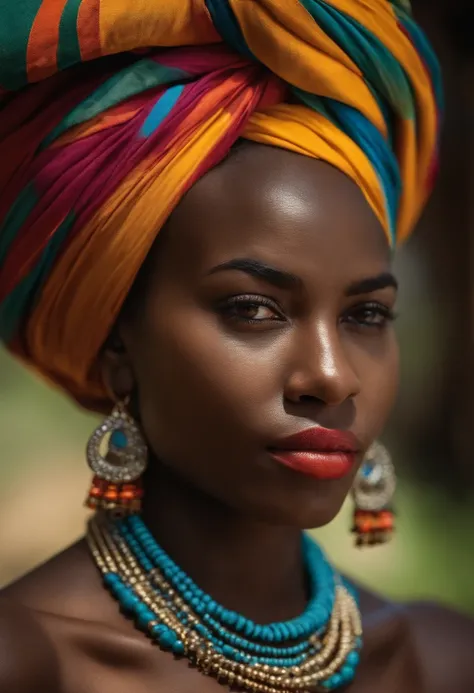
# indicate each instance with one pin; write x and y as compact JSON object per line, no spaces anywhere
{"x":384,"y":313}
{"x":250,"y":301}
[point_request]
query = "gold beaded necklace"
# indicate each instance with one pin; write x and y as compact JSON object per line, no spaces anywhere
{"x":164,"y":611}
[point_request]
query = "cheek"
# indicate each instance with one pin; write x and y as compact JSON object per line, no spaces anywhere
{"x":198,"y":384}
{"x":379,"y":390}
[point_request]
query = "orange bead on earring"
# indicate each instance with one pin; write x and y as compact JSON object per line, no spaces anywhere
{"x":117,"y":482}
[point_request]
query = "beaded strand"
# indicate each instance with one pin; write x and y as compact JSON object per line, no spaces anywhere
{"x":307,"y":653}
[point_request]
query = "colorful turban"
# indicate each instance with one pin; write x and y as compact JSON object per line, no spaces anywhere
{"x":111,"y":109}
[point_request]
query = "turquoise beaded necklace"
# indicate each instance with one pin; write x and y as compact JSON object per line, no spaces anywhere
{"x":318,"y":650}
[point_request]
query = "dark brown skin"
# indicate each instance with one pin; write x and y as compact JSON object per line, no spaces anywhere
{"x":215,"y":383}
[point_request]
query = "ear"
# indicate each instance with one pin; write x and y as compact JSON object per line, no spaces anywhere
{"x":117,"y":372}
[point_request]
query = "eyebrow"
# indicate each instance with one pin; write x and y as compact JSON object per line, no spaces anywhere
{"x":286,"y":280}
{"x":260,"y":270}
{"x":371,"y":284}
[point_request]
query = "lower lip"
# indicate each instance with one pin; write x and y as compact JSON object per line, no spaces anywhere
{"x":320,"y":465}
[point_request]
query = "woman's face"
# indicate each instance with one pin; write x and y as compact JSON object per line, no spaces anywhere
{"x":267,"y":312}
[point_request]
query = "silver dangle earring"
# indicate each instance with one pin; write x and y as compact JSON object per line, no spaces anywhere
{"x":118,"y":455}
{"x":372,"y":492}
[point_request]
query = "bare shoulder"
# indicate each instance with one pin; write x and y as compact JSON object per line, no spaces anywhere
{"x":67,"y":585}
{"x":60,"y":630}
{"x":439,"y":641}
{"x":32,"y":610}
{"x":27,"y":659}
{"x":445,"y":641}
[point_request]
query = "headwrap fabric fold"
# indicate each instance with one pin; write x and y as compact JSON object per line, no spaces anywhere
{"x":95,"y":157}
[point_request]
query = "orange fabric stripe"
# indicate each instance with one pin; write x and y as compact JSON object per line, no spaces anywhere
{"x":90,"y":128}
{"x":41,"y":55}
{"x":88,"y":29}
{"x":414,"y":194}
{"x":321,"y":66}
{"x":101,"y":122}
{"x":165,"y":23}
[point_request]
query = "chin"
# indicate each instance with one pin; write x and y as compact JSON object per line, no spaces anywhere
{"x":309,"y":512}
{"x":286,"y":497}
{"x":313,"y":517}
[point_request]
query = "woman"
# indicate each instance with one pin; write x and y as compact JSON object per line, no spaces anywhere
{"x":246,"y":350}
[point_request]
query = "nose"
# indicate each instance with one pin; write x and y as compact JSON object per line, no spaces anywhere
{"x":321,"y":369}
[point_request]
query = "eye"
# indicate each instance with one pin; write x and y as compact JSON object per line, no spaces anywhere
{"x":251,"y":309}
{"x":372,"y":314}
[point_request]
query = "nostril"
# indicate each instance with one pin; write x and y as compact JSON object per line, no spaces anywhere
{"x":309,"y":399}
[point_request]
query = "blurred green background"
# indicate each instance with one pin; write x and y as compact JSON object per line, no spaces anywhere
{"x":44,"y":477}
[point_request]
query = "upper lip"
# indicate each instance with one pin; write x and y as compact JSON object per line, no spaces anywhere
{"x":319,"y":439}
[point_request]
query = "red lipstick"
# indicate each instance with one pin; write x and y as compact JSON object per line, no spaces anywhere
{"x":319,"y":452}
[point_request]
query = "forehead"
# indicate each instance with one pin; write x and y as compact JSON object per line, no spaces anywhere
{"x":280,"y":207}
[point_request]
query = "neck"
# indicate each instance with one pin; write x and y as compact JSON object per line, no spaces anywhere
{"x":250,"y":567}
